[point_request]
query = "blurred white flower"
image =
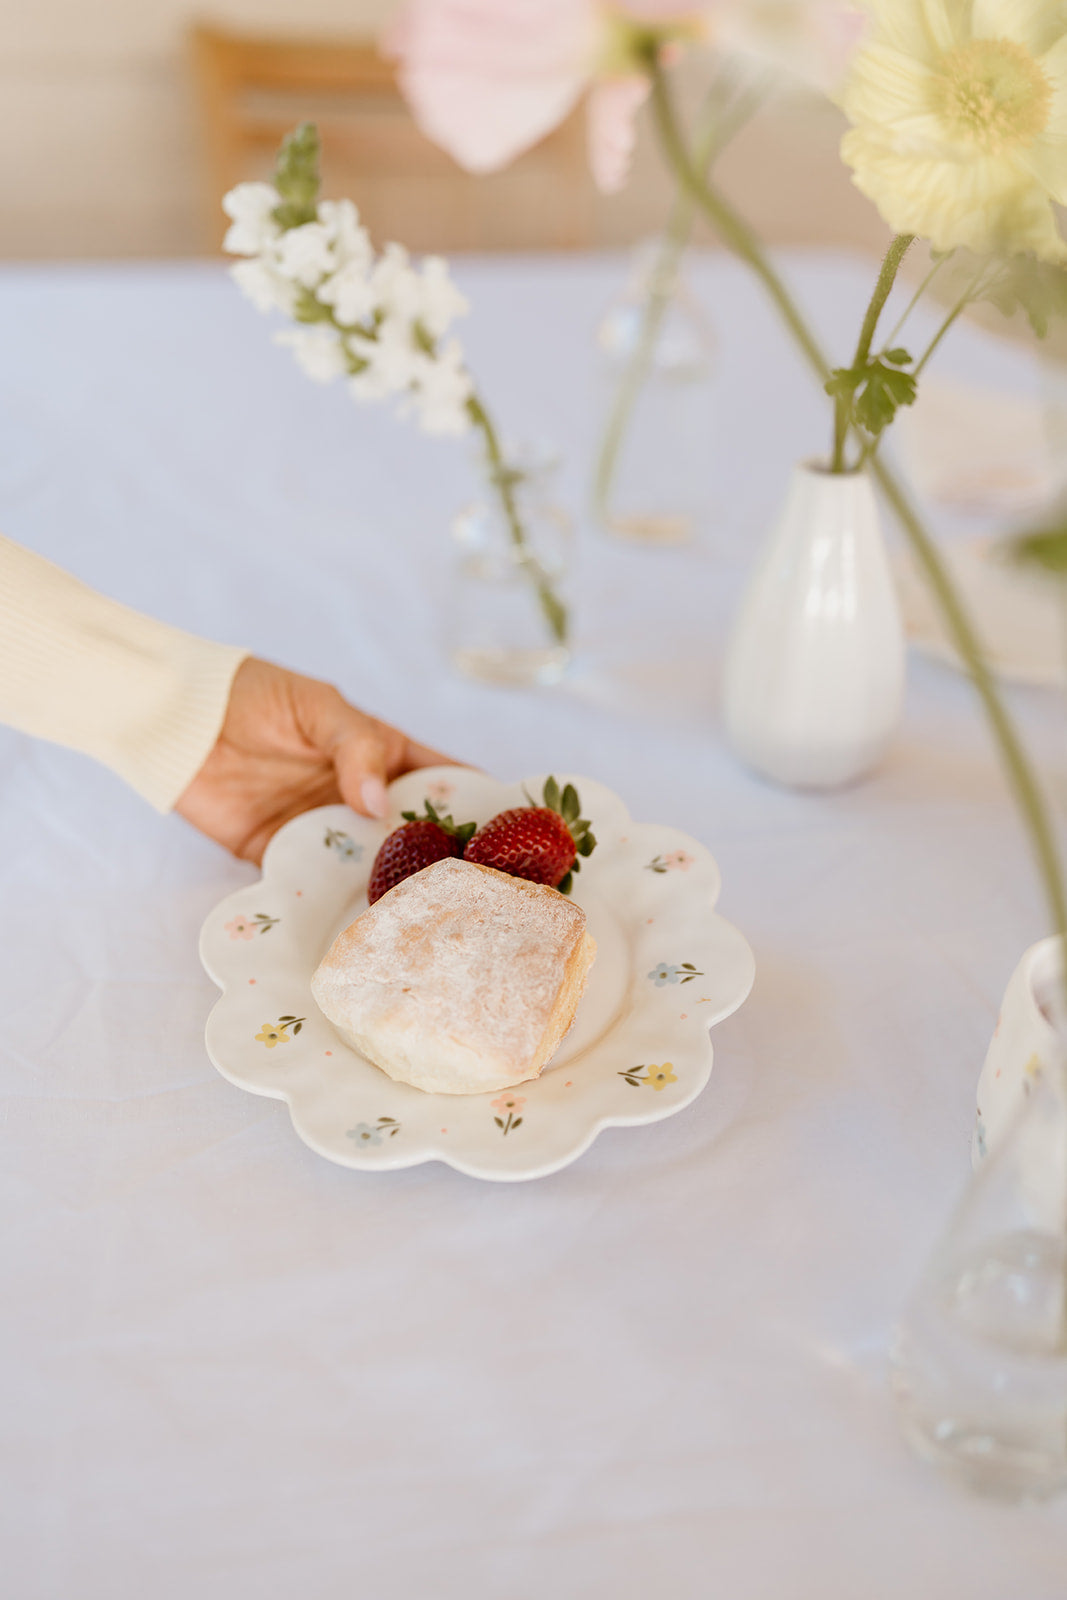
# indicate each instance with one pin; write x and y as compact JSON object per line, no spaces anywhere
{"x":442,"y":388}
{"x":395,"y":283}
{"x":345,"y":232}
{"x":379,"y":311}
{"x":319,"y":351}
{"x":441,"y":301}
{"x":392,"y":360}
{"x":350,"y":293}
{"x":305,"y":254}
{"x":250,"y":207}
{"x":266,"y":289}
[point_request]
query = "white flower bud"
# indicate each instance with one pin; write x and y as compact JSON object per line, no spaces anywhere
{"x":251,"y":206}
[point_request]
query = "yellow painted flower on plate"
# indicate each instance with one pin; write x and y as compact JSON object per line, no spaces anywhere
{"x":270,"y":1036}
{"x":660,"y":1077}
{"x":959,"y":121}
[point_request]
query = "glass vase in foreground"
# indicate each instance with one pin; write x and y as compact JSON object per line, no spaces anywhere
{"x":508,"y":622}
{"x":980,"y":1357}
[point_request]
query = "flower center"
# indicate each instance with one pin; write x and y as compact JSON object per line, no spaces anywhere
{"x":994,"y":94}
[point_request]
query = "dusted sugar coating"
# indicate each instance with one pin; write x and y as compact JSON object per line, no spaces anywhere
{"x":460,"y":980}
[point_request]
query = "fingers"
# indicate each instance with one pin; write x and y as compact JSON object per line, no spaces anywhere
{"x":366,"y":753}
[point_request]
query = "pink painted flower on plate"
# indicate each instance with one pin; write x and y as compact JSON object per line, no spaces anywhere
{"x":508,"y":1102}
{"x":439,"y":793}
{"x":487,"y":79}
{"x":241,"y":927}
{"x":678,"y":861}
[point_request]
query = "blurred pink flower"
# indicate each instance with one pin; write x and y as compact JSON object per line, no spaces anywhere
{"x":241,"y":927}
{"x":508,"y":1102}
{"x":486,"y":79}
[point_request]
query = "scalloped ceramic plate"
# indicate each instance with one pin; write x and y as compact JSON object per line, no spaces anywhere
{"x":667,"y":967}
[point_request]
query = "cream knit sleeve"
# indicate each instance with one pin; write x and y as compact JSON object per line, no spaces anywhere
{"x":145,"y":699}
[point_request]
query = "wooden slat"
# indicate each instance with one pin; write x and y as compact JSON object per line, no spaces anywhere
{"x":254,"y":89}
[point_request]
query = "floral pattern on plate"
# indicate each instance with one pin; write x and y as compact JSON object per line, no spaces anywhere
{"x":243,"y":927}
{"x":663,"y":973}
{"x":352,"y":1113}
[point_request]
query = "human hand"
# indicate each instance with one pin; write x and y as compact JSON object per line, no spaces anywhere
{"x":287,"y":744}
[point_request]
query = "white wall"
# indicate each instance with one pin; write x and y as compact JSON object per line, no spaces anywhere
{"x":99,"y":131}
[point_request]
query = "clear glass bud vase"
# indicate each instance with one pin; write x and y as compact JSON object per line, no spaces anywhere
{"x":650,"y":483}
{"x":509,"y":617}
{"x":980,"y":1357}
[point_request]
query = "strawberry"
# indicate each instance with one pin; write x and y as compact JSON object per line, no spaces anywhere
{"x":419,"y":843}
{"x":541,"y":843}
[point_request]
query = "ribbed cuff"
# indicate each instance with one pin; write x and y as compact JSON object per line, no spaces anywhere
{"x":144,"y":698}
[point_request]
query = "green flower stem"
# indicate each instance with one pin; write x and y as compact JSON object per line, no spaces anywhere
{"x":914,"y":301}
{"x":737,"y":236}
{"x":1020,"y":772}
{"x":842,"y":402}
{"x":731,"y":228}
{"x":957,"y":310}
{"x":503,"y":480}
{"x":663,"y":282}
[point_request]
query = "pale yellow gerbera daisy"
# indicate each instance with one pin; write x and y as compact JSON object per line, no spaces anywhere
{"x":959,"y":113}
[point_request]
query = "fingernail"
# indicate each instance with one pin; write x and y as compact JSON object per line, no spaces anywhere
{"x":372,"y":793}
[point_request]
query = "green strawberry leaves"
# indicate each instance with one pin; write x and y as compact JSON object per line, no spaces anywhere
{"x":566,"y":804}
{"x":461,"y":831}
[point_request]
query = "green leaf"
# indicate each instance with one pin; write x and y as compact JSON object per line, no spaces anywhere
{"x":587,"y":844}
{"x":296,"y":176}
{"x":1036,"y":288}
{"x":1044,"y":548}
{"x":898,"y":357}
{"x":842,"y":383}
{"x":566,"y":884}
{"x":517,"y":1123}
{"x":885,"y":389}
{"x":499,"y":1121}
{"x":552,"y":795}
{"x":570,"y":805}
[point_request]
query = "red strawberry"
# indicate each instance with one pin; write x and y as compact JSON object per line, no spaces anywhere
{"x":541,"y":843}
{"x":419,"y":843}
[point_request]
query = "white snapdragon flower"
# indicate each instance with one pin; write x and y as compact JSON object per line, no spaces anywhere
{"x":305,"y":254}
{"x":442,"y":388}
{"x":267,"y":289}
{"x":441,"y":301}
{"x":250,"y":207}
{"x":350,"y":294}
{"x":392,"y":361}
{"x":318,"y":350}
{"x":347,"y":235}
{"x":395,"y":284}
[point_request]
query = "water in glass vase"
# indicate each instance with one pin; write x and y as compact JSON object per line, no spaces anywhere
{"x":508,"y":620}
{"x":650,"y":477}
{"x":980,"y":1358}
{"x":980,"y":1368}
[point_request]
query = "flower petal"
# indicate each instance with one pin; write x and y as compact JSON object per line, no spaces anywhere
{"x":486,"y":79}
{"x":1035,"y":24}
{"x":611,"y":111}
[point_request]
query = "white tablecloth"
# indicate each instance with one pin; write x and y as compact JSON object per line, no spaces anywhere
{"x":228,"y":1368}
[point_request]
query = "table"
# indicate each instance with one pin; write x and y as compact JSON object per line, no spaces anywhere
{"x":228,"y":1368}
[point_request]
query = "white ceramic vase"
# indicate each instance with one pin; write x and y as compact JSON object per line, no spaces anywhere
{"x":815,"y":668}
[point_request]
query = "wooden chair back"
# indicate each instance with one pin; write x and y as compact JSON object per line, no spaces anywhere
{"x":253,"y":89}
